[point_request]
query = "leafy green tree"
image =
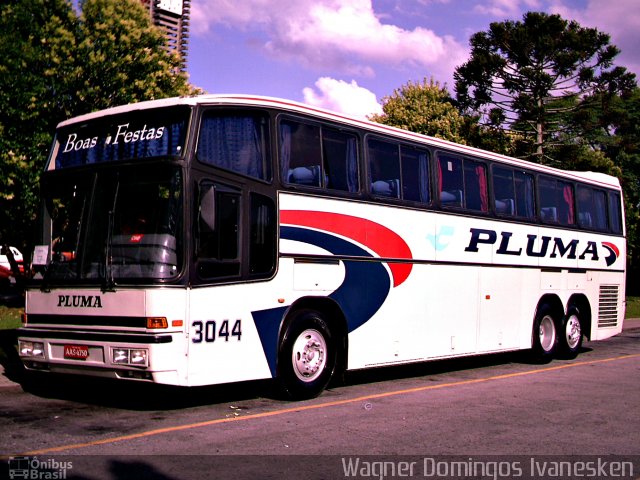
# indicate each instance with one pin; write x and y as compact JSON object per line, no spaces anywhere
{"x":37,"y":43}
{"x":608,"y":128}
{"x":618,"y":127}
{"x":124,"y":59}
{"x":424,"y":108}
{"x":530,"y":76}
{"x":55,"y":64}
{"x":428,"y":108}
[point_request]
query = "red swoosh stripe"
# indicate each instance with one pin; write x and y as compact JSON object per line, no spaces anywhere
{"x":385,"y":242}
{"x":612,"y":247}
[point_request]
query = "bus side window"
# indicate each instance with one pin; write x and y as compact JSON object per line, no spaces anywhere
{"x":592,"y":208}
{"x":524,"y":188}
{"x":218,"y":242}
{"x":384,"y":168}
{"x":513,"y":192}
{"x":262,"y":242}
{"x":300,"y":154}
{"x":450,"y":181}
{"x":504,"y":190}
{"x":340,"y":155}
{"x":475,"y":186}
{"x":556,"y":201}
{"x":415,"y":174}
{"x":235,"y":142}
{"x":615,"y":213}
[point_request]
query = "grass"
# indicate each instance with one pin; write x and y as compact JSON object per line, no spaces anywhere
{"x":633,"y":307}
{"x":10,"y":317}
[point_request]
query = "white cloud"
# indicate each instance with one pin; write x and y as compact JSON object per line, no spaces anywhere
{"x":508,"y":9}
{"x":344,"y":35}
{"x":206,"y":13}
{"x":499,"y":8}
{"x":343,"y":97}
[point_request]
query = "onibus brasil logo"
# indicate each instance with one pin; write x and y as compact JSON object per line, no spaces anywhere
{"x":37,"y":469}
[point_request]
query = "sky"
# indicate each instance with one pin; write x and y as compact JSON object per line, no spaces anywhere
{"x":347,"y":55}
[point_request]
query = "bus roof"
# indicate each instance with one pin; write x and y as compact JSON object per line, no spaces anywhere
{"x":297,"y":107}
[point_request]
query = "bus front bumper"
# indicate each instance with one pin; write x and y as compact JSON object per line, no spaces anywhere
{"x":133,"y":356}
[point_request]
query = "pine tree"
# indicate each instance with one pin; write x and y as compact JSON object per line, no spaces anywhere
{"x":531,"y":76}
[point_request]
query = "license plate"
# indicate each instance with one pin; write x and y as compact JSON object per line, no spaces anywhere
{"x":77,"y":352}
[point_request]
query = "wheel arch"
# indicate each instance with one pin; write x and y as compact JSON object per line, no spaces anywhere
{"x":332,"y":314}
{"x":554,"y":302}
{"x":581,"y":303}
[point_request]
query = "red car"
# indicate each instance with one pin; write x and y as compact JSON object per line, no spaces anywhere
{"x":4,"y":260}
{"x":5,"y":273}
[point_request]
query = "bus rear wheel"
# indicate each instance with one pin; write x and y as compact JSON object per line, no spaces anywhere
{"x":545,"y":335}
{"x":307,"y":358}
{"x":571,"y":334}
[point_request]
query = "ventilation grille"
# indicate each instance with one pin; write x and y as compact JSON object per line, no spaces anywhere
{"x":608,"y":306}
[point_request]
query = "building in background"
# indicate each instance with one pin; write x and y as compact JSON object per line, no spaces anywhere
{"x":172,"y":16}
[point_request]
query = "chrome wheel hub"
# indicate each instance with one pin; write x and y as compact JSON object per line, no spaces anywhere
{"x":547,"y":333}
{"x":309,"y":355}
{"x":573,"y":331}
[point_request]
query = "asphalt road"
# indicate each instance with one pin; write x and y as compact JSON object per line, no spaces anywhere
{"x":498,"y":416}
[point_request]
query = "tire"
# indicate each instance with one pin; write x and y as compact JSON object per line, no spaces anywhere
{"x":570,"y":334}
{"x":307,"y":358}
{"x":544,"y":334}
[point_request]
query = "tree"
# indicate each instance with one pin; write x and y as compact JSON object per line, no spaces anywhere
{"x":124,"y":59}
{"x":424,"y":108}
{"x":54,"y":65}
{"x":428,"y":108}
{"x":529,"y":76}
{"x":615,"y":130}
{"x":37,"y":41}
{"x":609,"y":130}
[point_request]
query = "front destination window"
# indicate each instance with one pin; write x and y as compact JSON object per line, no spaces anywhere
{"x":131,"y":136}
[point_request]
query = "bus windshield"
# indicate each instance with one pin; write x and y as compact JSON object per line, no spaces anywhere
{"x":115,"y":225}
{"x":134,"y":135}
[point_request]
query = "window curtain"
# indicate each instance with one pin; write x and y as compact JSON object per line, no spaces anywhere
{"x":567,"y":193}
{"x":232,"y":143}
{"x":423,"y":171}
{"x":352,"y":165}
{"x":481,"y":173}
{"x":528,"y":197}
{"x":600,"y":209}
{"x":285,"y":150}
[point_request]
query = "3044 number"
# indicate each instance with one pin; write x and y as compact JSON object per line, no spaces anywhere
{"x":208,"y":331}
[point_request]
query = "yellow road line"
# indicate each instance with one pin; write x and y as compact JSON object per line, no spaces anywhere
{"x":299,"y":408}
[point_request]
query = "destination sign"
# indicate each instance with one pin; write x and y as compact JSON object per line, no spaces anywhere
{"x":135,"y":135}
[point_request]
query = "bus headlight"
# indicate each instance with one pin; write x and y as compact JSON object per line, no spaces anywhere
{"x":31,"y":349}
{"x":120,"y":355}
{"x":136,"y":357}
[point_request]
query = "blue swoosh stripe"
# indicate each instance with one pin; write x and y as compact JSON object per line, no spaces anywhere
{"x":365,"y":288}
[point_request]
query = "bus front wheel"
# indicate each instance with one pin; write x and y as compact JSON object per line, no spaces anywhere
{"x":571,"y":334}
{"x":545,"y":334}
{"x":307,"y":356}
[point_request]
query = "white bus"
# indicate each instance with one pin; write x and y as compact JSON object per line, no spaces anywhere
{"x":216,"y":239}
